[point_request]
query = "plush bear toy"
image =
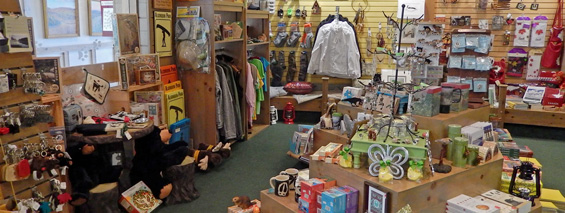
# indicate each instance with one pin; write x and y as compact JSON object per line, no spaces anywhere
{"x":205,"y":159}
{"x":152,"y":157}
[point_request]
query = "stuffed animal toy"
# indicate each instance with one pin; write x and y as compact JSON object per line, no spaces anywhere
{"x":242,"y":202}
{"x":220,"y":148}
{"x":205,"y":159}
{"x":152,"y":157}
{"x":40,"y":164}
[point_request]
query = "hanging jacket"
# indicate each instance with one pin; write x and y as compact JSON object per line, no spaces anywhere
{"x":335,"y":52}
{"x":250,"y":95}
{"x":219,"y":102}
{"x":229,"y":130}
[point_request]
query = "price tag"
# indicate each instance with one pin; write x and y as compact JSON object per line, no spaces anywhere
{"x":53,"y":172}
{"x":63,"y":185}
{"x":35,"y":205}
{"x":59,"y":208}
{"x":128,"y":136}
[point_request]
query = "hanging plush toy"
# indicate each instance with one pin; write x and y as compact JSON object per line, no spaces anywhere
{"x":497,"y":72}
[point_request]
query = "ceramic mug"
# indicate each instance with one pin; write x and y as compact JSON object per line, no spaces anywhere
{"x":280,"y":184}
{"x":292,"y":174}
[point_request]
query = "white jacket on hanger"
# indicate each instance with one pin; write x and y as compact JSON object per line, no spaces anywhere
{"x":335,"y":52}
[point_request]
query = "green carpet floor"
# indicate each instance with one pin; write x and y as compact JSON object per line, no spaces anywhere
{"x":246,"y":172}
{"x":253,"y":162}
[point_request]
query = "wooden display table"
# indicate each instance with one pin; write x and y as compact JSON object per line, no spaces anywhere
{"x":270,"y":203}
{"x":437,"y":125}
{"x":429,"y":195}
{"x":535,"y":117}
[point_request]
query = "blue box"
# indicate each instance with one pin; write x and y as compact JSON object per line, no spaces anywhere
{"x":352,"y":198}
{"x":333,"y":201}
{"x":306,"y":207}
{"x":180,"y":131}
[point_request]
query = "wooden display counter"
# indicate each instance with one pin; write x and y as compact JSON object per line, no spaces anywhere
{"x":535,"y":117}
{"x":270,"y":203}
{"x":437,"y":125}
{"x":429,"y":195}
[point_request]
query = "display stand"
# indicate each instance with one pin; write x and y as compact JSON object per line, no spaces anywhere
{"x":270,"y":203}
{"x":430,"y":195}
{"x":182,"y":178}
{"x":104,"y":198}
{"x":436,"y":124}
{"x":474,"y":97}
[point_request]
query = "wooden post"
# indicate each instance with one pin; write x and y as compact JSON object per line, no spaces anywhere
{"x":502,"y":103}
{"x":324,"y":94}
{"x":182,"y":178}
{"x":104,"y":198}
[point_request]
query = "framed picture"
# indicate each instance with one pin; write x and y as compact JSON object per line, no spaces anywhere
{"x":128,"y":33}
{"x":375,"y":199}
{"x":50,"y":72}
{"x":95,"y":17}
{"x":60,"y":18}
{"x":145,"y":76}
{"x":107,"y":8}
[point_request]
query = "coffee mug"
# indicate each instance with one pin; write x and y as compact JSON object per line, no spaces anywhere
{"x":280,"y":184}
{"x":292,"y":174}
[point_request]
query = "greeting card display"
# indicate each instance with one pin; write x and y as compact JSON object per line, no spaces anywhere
{"x":517,"y":62}
{"x":534,"y":64}
{"x":539,"y":28}
{"x":522,"y":34}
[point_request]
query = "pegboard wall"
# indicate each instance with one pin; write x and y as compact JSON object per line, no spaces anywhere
{"x":499,"y":51}
{"x":373,"y":16}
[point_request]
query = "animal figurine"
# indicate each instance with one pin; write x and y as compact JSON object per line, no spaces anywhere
{"x":355,"y":102}
{"x":242,"y":202}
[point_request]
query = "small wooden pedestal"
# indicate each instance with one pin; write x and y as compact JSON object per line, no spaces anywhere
{"x":104,"y":198}
{"x":182,"y":177}
{"x":270,"y":203}
{"x":429,"y":195}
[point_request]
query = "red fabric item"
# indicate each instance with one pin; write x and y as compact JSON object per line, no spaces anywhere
{"x":299,"y":87}
{"x":4,"y":130}
{"x":553,"y":97}
{"x":63,"y":198}
{"x":23,"y":169}
{"x":500,"y":75}
{"x":550,"y":57}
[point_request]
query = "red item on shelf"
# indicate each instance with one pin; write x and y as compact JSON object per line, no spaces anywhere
{"x":552,"y":97}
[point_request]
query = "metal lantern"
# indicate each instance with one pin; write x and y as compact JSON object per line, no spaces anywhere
{"x":289,"y":113}
{"x":274,"y":115}
{"x":526,"y":172}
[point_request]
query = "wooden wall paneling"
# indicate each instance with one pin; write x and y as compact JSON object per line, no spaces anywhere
{"x":16,"y":60}
{"x":10,"y":6}
{"x":30,"y":139}
{"x":22,"y":185}
{"x":17,"y":96}
{"x":200,"y":89}
{"x":258,"y":23}
{"x":499,"y":51}
{"x":75,"y":75}
{"x":373,"y":16}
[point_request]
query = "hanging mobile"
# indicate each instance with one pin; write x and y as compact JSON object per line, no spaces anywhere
{"x":534,"y":5}
{"x":304,"y":12}
{"x":280,"y":13}
{"x":506,"y":40}
{"x":297,"y":13}
{"x":520,"y":5}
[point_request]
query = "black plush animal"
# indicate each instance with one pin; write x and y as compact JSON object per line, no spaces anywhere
{"x":354,"y":101}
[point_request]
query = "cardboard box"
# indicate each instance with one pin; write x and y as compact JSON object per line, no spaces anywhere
{"x":352,"y":198}
{"x":136,"y":191}
{"x":328,"y":182}
{"x":308,"y":189}
{"x":299,"y":140}
{"x":333,"y":200}
{"x":306,"y":206}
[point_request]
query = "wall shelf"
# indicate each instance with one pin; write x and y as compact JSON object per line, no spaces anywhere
{"x":259,"y":44}
{"x":229,"y":41}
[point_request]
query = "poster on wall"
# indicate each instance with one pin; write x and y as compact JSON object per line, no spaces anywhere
{"x":163,"y":33}
{"x":94,"y":18}
{"x":413,"y":9}
{"x":163,"y":4}
{"x":107,"y":7}
{"x":60,"y":18}
{"x":48,"y":67}
{"x":16,"y":30}
{"x":128,"y":33}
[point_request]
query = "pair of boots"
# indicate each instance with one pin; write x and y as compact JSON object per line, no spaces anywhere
{"x":278,"y":67}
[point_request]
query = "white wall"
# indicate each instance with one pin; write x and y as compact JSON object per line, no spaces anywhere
{"x":74,"y":51}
